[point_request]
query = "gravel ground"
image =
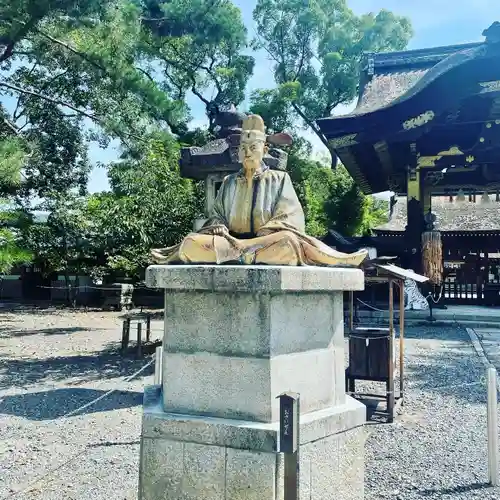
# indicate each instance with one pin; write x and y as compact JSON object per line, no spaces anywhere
{"x":52,"y":362}
{"x":437,"y":449}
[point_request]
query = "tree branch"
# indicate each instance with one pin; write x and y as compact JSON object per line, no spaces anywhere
{"x":11,"y":126}
{"x":332,"y":104}
{"x":74,"y":51}
{"x":23,"y":53}
{"x":195,"y":66}
{"x":193,"y":83}
{"x":263,"y":45}
{"x":210,"y":72}
{"x":282,"y":53}
{"x":49,"y":99}
{"x":180,"y":88}
{"x":22,"y":127}
{"x":302,"y":57}
{"x":146,"y":74}
{"x":201,"y":15}
{"x":311,"y":124}
{"x":16,"y":116}
{"x":198,"y":94}
{"x":9,"y":48}
{"x":48,"y":83}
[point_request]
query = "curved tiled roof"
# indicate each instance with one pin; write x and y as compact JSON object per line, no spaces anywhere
{"x":452,"y":216}
{"x":393,"y":74}
{"x":382,"y":89}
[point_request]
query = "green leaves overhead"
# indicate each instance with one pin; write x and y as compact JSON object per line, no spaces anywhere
{"x":150,"y":206}
{"x":318,"y":45}
{"x":76,"y":71}
{"x":331,"y":199}
{"x":71,"y":71}
{"x":198,"y":47}
{"x":12,"y":158}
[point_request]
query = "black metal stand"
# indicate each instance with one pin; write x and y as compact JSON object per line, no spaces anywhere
{"x":431,"y":318}
{"x":432,"y":304}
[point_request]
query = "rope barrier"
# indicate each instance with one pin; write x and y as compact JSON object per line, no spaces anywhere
{"x":111,"y":391}
{"x":369,"y":338}
{"x":372,"y":307}
{"x":90,"y":287}
{"x":440,"y":295}
{"x":386,"y":310}
{"x":81,"y":452}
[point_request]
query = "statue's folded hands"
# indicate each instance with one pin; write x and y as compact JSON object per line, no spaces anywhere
{"x":257,"y":218}
{"x":220,"y":231}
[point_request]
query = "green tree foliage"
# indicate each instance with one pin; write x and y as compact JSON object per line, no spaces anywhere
{"x":60,"y":243}
{"x":330,"y":198}
{"x":66,"y":65}
{"x":198,"y":46}
{"x":12,"y":251}
{"x":376,"y":213}
{"x":345,"y":203}
{"x":111,"y":233}
{"x":78,"y":70}
{"x":150,"y":206}
{"x":73,"y":71}
{"x":274,"y":107}
{"x":317,"y":49}
{"x":12,"y":157}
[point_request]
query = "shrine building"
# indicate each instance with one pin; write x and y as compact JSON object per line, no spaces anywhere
{"x":427,"y":128}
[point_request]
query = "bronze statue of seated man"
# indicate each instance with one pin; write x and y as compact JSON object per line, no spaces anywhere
{"x":257,"y":217}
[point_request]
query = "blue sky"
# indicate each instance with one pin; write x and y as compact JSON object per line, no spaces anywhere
{"x":435,"y":22}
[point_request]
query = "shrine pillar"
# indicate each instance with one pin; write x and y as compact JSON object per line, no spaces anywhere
{"x":417,"y":201}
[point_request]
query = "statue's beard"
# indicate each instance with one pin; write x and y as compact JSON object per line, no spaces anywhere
{"x":250,"y":168}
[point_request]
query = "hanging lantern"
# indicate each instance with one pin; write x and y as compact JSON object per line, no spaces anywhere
{"x":432,"y":251}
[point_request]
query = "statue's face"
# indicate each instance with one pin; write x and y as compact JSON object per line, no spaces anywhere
{"x":251,"y":154}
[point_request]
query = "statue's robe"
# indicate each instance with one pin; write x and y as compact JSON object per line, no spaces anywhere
{"x":265,"y":224}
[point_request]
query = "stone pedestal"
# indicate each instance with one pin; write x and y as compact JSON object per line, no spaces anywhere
{"x":235,"y":338}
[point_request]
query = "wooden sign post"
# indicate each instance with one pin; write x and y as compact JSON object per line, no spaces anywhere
{"x":290,"y":442}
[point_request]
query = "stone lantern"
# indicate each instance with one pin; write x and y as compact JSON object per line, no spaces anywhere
{"x":218,"y":158}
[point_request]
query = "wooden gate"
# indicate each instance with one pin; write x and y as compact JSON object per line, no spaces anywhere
{"x":471,"y":268}
{"x":464,"y":280}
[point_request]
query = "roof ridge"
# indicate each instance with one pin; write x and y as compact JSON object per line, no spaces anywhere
{"x":414,"y":56}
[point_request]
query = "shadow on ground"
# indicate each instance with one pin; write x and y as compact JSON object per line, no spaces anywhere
{"x":107,"y":364}
{"x":435,"y":331}
{"x":6,"y":332}
{"x":452,"y":491}
{"x":49,"y":405}
{"x":450,"y":369}
{"x":453,"y":370}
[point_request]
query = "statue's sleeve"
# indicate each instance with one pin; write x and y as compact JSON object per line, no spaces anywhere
{"x":287,"y":213}
{"x":217,"y":216}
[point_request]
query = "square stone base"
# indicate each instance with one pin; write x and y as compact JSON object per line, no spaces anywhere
{"x":191,"y":458}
